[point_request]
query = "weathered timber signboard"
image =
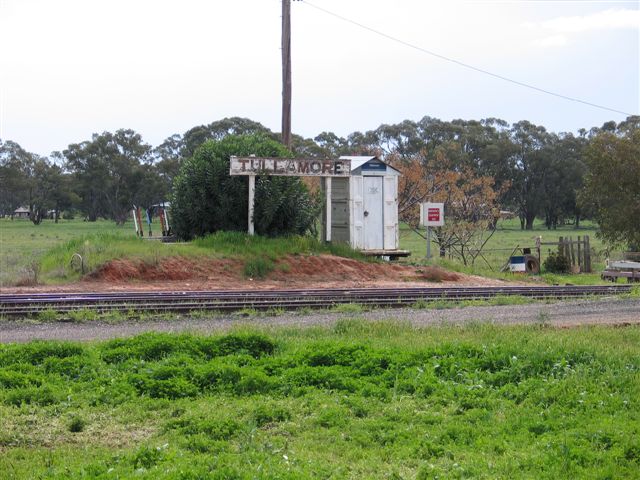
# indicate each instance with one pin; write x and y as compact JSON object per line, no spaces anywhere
{"x":289,"y":167}
{"x":299,"y":167}
{"x":364,"y":189}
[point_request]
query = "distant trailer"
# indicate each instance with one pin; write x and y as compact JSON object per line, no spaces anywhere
{"x":622,"y":269}
{"x":364,"y":208}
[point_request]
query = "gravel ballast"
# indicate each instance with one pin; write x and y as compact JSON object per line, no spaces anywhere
{"x":559,"y":314}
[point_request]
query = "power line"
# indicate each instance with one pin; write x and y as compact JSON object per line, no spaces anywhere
{"x":462,"y":64}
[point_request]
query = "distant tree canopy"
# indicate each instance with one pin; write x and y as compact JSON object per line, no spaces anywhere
{"x":112,"y":172}
{"x":612,"y":183}
{"x":207,"y":199}
{"x":28,"y":180}
{"x":535,"y":173}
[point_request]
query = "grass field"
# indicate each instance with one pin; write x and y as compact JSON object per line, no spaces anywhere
{"x":22,"y":244}
{"x":43,"y":252}
{"x":507,"y":237}
{"x":357,"y":400}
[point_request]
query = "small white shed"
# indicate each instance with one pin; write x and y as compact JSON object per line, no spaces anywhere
{"x":364,"y":207}
{"x":21,"y":212}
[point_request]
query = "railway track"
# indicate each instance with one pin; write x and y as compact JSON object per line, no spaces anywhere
{"x":24,"y":305}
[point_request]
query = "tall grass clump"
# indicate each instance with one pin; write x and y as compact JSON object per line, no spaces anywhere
{"x":248,"y":246}
{"x":258,"y":253}
{"x":258,"y":267}
{"x":96,"y":250}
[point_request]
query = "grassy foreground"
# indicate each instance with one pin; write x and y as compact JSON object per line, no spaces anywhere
{"x":357,"y":400}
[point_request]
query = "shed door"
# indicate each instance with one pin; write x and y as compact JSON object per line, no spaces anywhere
{"x":357,"y":207}
{"x":390,"y":212}
{"x":373,"y":224}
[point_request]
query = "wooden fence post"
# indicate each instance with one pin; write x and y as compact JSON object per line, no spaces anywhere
{"x":573,"y":256}
{"x":580,"y":262}
{"x":587,"y":254}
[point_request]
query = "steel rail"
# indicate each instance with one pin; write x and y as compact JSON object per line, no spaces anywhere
{"x":508,"y":290}
{"x":230,"y":300}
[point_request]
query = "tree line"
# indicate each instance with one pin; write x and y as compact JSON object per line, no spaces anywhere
{"x":533,"y":172}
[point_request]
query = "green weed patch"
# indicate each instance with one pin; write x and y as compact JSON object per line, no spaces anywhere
{"x":359,"y":400}
{"x":258,"y":267}
{"x":86,"y":254}
{"x":251,"y":246}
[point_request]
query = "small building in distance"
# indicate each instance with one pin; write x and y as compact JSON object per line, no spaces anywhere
{"x":21,"y":212}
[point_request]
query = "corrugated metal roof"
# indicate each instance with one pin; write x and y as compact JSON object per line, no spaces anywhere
{"x":358,"y":161}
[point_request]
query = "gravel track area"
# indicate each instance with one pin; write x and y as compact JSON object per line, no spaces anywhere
{"x":614,"y":311}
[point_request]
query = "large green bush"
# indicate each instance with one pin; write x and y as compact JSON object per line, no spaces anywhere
{"x":207,"y":199}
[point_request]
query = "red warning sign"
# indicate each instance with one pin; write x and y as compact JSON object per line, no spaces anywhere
{"x":432,"y":214}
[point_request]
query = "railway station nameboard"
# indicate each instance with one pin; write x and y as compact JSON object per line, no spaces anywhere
{"x":289,"y":167}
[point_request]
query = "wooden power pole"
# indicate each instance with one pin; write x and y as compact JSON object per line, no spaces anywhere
{"x":286,"y":73}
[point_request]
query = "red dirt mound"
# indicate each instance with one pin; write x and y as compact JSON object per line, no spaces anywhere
{"x":292,"y":272}
{"x":289,"y":270}
{"x":170,"y":268}
{"x":436,"y":274}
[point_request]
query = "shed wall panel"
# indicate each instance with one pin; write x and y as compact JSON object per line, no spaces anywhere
{"x":340,"y":189}
{"x":340,"y":211}
{"x":340,"y":234}
{"x":357,"y":212}
{"x":390,"y":212}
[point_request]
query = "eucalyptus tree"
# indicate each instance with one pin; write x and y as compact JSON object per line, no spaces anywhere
{"x":13,"y":163}
{"x":332,"y":145}
{"x":529,"y":161}
{"x":218,"y":130}
{"x":109,"y":172}
{"x":562,"y":178}
{"x":612,"y":183}
{"x":167,"y":160}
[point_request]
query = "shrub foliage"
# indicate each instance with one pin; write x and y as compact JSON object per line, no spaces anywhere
{"x":556,"y":263}
{"x":207,"y":199}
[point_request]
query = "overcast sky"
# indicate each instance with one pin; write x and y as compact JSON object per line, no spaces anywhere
{"x":69,"y":68}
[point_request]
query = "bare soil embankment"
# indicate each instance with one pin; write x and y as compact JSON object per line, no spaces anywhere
{"x":290,"y":272}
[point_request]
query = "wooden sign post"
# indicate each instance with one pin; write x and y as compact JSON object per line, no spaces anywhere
{"x":290,"y":167}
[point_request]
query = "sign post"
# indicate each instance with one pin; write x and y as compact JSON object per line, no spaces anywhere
{"x":252,"y":194}
{"x":327,"y":192}
{"x":298,"y":167}
{"x":431,"y":215}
